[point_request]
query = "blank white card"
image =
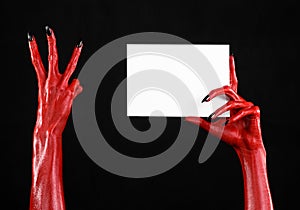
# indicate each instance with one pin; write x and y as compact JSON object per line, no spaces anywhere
{"x":172,"y":79}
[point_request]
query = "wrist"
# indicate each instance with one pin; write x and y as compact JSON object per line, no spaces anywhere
{"x":47,"y":148}
{"x":257,"y":153}
{"x":44,"y":132}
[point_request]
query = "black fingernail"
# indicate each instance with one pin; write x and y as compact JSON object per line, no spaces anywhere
{"x":210,"y":116}
{"x":29,"y":36}
{"x":205,"y":99}
{"x":48,"y":30}
{"x":226,"y":122}
{"x":79,"y":44}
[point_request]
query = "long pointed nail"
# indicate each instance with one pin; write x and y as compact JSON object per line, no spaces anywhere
{"x":226,"y":122}
{"x":210,"y":116}
{"x":48,"y":30}
{"x":79,"y":44}
{"x":205,"y":99}
{"x":29,"y":36}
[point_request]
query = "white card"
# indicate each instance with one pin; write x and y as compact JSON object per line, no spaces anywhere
{"x":172,"y":79}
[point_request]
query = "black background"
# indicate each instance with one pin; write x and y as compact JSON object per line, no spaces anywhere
{"x":263,"y":39}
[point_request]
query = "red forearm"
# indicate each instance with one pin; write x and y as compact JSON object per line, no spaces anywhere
{"x":54,"y":105}
{"x":47,"y":186}
{"x":256,"y":187}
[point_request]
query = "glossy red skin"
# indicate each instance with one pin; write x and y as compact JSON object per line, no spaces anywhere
{"x":55,"y":99}
{"x":243,"y":132}
{"x":54,"y":104}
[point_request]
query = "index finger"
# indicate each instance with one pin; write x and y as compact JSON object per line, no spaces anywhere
{"x":233,"y":78}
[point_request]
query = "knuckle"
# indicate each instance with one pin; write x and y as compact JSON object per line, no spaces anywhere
{"x":226,"y":88}
{"x":230,"y":103}
{"x":250,"y":103}
{"x":256,"y":110}
{"x":35,"y":61}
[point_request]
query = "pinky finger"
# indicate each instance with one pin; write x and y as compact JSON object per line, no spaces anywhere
{"x":75,"y":87}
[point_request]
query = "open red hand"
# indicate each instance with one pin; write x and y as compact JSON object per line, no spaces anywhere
{"x":242,"y":131}
{"x":55,"y":99}
{"x":55,"y":94}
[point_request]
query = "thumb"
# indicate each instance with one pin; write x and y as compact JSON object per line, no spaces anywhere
{"x":199,"y":121}
{"x":216,"y":128}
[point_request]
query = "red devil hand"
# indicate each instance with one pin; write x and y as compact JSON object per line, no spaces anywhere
{"x":54,"y":105}
{"x":55,"y":94}
{"x":242,"y":131}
